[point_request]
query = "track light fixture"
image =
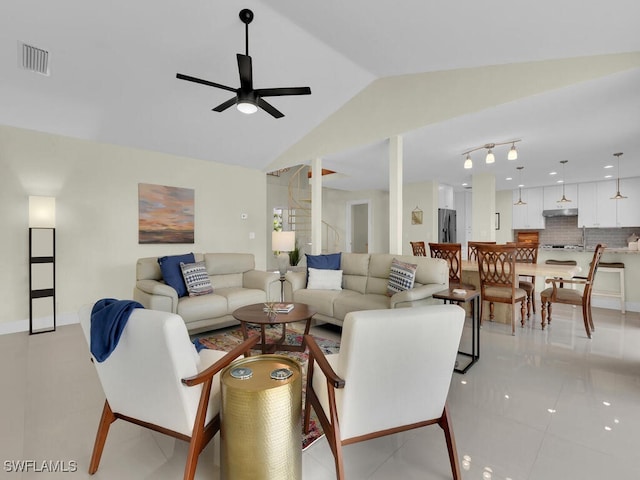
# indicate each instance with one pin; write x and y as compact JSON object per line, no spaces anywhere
{"x":490,"y":157}
{"x":564,"y":199}
{"x":618,"y":195}
{"x":520,"y":202}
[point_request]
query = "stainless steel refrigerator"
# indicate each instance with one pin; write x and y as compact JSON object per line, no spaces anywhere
{"x":446,"y":225}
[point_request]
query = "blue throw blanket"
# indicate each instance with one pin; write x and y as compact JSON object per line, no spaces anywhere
{"x":108,"y":319}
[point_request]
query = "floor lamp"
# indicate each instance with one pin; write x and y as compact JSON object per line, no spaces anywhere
{"x":283,"y":242}
{"x":42,"y":261}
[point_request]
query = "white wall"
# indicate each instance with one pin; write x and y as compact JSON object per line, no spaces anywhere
{"x":96,"y":190}
{"x":334,"y":210}
{"x":425,"y":196}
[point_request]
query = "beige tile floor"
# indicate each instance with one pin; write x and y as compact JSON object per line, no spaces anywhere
{"x":541,"y":405}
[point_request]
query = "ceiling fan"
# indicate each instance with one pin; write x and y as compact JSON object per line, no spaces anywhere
{"x":248,"y":99}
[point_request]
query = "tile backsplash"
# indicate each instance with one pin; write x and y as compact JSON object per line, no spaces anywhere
{"x":565,"y":231}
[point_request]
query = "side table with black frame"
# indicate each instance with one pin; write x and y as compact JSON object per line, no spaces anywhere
{"x":472,"y":297}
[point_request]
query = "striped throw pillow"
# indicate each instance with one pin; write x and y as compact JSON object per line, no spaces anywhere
{"x":401,"y":276}
{"x":196,"y":279}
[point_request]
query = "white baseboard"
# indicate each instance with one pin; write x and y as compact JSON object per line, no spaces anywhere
{"x":23,"y":325}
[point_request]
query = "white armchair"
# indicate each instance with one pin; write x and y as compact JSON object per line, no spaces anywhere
{"x":154,"y":378}
{"x":392,"y":374}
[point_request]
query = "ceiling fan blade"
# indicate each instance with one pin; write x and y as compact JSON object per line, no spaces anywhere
{"x":203,"y":82}
{"x":223,"y":106}
{"x":277,"y":92}
{"x":246,"y":72}
{"x":270,"y":109}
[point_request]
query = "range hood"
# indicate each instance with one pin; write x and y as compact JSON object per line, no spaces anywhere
{"x":560,"y":212}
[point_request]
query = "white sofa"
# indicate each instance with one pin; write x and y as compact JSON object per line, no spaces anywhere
{"x":235,"y":282}
{"x":364,"y":286}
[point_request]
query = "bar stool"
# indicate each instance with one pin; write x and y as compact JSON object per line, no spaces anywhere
{"x":551,"y":261}
{"x":613,"y":267}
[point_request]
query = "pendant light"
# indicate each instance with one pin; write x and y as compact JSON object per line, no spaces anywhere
{"x":564,"y":199}
{"x":618,"y":196}
{"x":520,"y":202}
{"x":513,"y":153}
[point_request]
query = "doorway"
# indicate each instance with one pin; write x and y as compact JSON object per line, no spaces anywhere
{"x":358,"y":226}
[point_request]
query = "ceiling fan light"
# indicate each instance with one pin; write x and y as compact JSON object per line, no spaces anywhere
{"x":468,"y":163}
{"x":513,"y":153}
{"x":490,"y":158}
{"x":247,"y":107}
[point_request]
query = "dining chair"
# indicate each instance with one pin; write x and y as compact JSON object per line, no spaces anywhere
{"x":419,"y":249}
{"x":452,"y":253}
{"x":154,"y":378}
{"x":527,"y":252}
{"x":571,"y":296}
{"x":497,"y":272}
{"x":384,"y":381}
{"x":472,"y":250}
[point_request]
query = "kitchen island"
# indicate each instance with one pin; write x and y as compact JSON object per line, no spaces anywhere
{"x":604,"y":281}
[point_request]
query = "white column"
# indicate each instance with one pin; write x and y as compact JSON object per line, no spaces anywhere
{"x":483,"y":205}
{"x":395,"y":195}
{"x":316,"y":206}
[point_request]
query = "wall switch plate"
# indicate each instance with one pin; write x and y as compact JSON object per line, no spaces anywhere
{"x":244,"y":216}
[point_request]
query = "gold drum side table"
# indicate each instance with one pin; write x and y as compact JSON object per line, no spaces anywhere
{"x":261,"y":412}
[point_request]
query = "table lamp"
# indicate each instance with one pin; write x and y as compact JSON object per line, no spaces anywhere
{"x":283,"y":242}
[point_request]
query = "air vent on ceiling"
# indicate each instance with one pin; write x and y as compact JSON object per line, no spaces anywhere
{"x":33,"y":59}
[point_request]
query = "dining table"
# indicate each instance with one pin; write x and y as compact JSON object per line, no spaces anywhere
{"x":540,"y":271}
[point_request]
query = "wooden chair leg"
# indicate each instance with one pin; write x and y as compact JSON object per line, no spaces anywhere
{"x":533,"y":298}
{"x":445,"y":423}
{"x":491,"y":308}
{"x":522,"y":312}
{"x":543,"y":312}
{"x":585,"y":318}
{"x":593,"y":328}
{"x":101,"y":437}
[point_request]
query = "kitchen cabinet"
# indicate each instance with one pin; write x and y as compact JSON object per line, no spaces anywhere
{"x":463,"y":217}
{"x":597,"y":210}
{"x":445,"y":197}
{"x":552,"y":194}
{"x":529,"y":216}
{"x":628,"y":209}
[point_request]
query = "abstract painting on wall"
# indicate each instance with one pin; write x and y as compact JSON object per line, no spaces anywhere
{"x":165,"y":214}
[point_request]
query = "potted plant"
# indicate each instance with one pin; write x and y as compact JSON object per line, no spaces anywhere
{"x":294,"y":255}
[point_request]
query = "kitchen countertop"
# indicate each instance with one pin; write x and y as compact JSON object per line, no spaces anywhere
{"x":624,"y":250}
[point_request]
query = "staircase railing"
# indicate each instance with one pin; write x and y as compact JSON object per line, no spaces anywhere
{"x":299,"y":214}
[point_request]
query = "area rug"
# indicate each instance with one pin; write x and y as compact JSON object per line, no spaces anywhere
{"x":228,"y":339}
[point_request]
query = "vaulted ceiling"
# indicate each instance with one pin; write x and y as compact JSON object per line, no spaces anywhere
{"x":563,"y":76}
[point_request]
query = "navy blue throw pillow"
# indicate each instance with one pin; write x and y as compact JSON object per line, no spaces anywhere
{"x":324,"y":262}
{"x":171,"y":272}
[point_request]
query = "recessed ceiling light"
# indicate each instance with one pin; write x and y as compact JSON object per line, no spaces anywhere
{"x":553,"y":173}
{"x":508,"y":178}
{"x":608,"y":166}
{"x":521,"y":185}
{"x":560,"y":181}
{"x":465,"y":184}
{"x":608,"y":176}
